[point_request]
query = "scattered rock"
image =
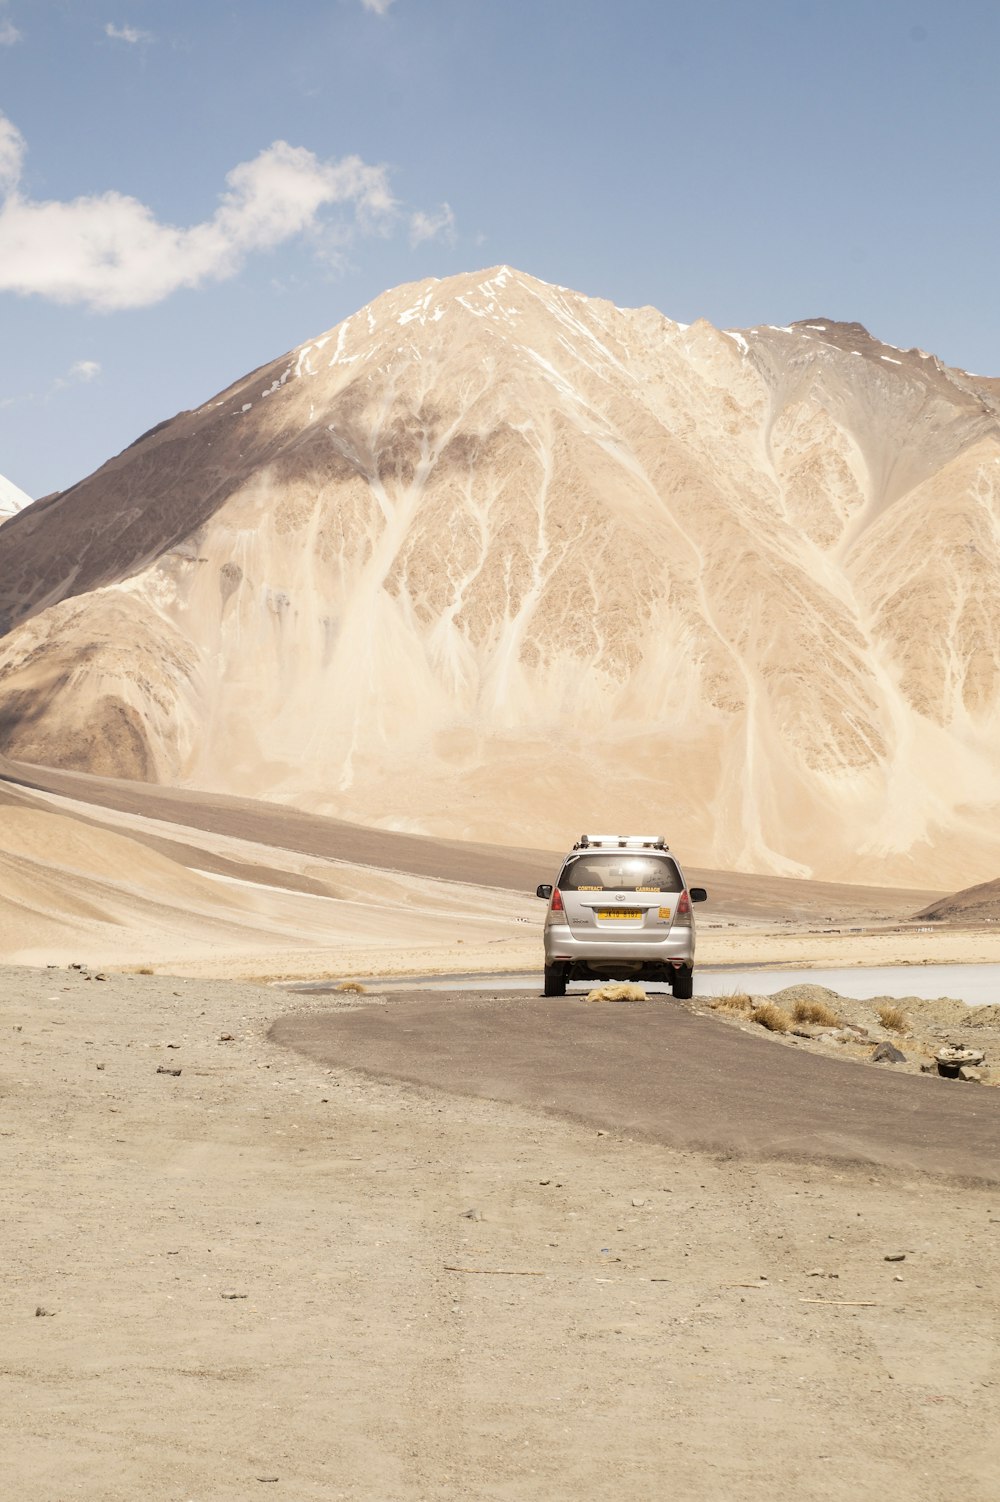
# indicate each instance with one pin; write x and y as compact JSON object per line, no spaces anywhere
{"x":229,"y":1293}
{"x":638,"y":1203}
{"x":472,"y":1215}
{"x":969,"y":1073}
{"x":894,"y":1257}
{"x":42,"y":1313}
{"x":98,"y":1066}
{"x":226,"y":1038}
{"x":164,"y":1069}
{"x":847,"y":1034}
{"x":888,"y":1053}
{"x":173,"y":1045}
{"x":267,"y":1478}
{"x":951,"y":1059}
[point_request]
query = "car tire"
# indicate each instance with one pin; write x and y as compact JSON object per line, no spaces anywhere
{"x":555,"y":981}
{"x":682,"y":984}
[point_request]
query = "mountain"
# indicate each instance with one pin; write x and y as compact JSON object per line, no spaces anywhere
{"x":12,"y":500}
{"x":495,"y":560}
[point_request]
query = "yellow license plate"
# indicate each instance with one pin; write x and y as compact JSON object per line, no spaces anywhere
{"x":620,"y":912}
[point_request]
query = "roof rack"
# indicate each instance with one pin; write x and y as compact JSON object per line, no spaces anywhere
{"x":621,"y":842}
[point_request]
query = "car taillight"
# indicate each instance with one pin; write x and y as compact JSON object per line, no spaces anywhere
{"x":683,"y":906}
{"x":557,"y":906}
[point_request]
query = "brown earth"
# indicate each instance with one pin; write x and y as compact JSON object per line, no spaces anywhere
{"x":268,"y":1266}
{"x":979,"y":904}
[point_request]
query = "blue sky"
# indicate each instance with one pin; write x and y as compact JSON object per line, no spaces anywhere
{"x":190,"y":187}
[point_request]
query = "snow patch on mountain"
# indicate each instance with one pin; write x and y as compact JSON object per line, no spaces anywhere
{"x":12,"y":500}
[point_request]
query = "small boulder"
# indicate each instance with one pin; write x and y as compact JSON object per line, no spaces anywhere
{"x":952,"y":1058}
{"x":888,"y":1053}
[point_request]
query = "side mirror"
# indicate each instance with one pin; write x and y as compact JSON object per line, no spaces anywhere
{"x":698,"y":894}
{"x":545,"y":890}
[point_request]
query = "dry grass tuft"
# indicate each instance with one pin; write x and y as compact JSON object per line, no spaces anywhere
{"x":893,"y":1018}
{"x":815,"y":1011}
{"x":736,"y":1001}
{"x":624,"y":990}
{"x":145,"y":970}
{"x":353,"y":985}
{"x":768,"y":1014}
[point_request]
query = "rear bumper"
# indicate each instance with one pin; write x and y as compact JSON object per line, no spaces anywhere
{"x":592,"y":953}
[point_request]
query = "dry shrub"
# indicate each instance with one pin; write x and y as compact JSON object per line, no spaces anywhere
{"x":145,"y":970}
{"x":815,"y":1011}
{"x":768,"y":1015}
{"x":736,"y":1001}
{"x":624,"y":990}
{"x":352,"y":985}
{"x":892,"y":1018}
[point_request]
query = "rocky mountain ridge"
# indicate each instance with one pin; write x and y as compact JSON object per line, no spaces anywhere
{"x":493,"y":559}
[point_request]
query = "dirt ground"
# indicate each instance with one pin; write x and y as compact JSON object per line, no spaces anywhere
{"x":258,"y":1276}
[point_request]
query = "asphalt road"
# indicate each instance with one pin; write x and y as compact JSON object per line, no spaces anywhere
{"x":660,"y":1072}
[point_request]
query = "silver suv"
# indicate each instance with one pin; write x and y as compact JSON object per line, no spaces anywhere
{"x":620,"y":910}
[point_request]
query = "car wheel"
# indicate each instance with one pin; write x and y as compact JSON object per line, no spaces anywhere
{"x":683,"y":984}
{"x":555,"y":981}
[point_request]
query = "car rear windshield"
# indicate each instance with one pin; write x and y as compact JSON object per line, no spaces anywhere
{"x":620,"y":871}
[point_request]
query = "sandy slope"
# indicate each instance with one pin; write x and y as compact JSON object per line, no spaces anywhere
{"x":74,"y":890}
{"x":211,"y":886}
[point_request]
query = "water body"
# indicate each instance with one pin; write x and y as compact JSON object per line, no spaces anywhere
{"x":974,"y":984}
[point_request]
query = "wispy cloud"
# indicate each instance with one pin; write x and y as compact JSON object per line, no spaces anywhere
{"x":12,"y":149}
{"x":439,"y":226}
{"x":9,"y":33}
{"x":377,"y":7}
{"x":84,"y":370}
{"x":130,"y":34}
{"x":79,"y":373}
{"x":109,"y":251}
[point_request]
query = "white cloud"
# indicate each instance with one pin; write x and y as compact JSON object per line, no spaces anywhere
{"x":439,"y":226}
{"x":9,"y":34}
{"x":79,"y":373}
{"x":128,"y":34}
{"x":109,"y":251}
{"x":12,"y":149}
{"x":377,"y":7}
